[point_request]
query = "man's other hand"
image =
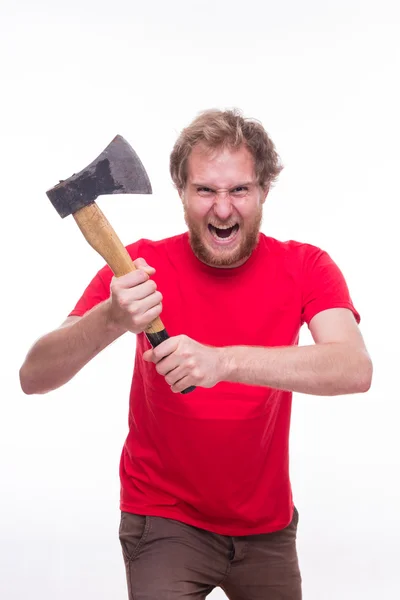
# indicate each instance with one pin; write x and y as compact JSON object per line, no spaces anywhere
{"x":184,"y":362}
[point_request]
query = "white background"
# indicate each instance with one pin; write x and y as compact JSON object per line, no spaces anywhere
{"x":323,"y":79}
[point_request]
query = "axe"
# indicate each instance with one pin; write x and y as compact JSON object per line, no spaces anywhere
{"x":118,"y":170}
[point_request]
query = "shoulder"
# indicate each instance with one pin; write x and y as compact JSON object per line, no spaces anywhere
{"x":290,"y":249}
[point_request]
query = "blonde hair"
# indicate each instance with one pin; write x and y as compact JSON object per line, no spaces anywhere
{"x":216,"y":129}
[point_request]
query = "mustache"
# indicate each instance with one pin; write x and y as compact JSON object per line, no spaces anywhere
{"x":223,"y":225}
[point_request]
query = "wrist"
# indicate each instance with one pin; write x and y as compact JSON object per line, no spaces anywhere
{"x":112,"y":325}
{"x":226,"y":362}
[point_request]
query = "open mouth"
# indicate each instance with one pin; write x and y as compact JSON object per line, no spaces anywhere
{"x":223,"y":233}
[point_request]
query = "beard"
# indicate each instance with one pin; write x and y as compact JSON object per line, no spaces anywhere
{"x":224,"y":258}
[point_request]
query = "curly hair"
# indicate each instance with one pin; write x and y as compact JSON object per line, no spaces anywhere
{"x":216,"y":129}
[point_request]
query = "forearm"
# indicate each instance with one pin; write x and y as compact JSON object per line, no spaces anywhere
{"x":321,"y":369}
{"x":58,"y":356}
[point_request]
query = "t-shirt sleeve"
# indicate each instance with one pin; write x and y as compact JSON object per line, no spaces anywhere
{"x":323,"y":285}
{"x":97,"y":291}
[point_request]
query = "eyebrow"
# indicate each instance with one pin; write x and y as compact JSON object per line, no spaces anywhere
{"x":246,"y":183}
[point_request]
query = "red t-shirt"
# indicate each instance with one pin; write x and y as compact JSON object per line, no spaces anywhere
{"x":218,"y":458}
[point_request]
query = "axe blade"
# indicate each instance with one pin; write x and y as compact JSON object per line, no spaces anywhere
{"x":118,"y":170}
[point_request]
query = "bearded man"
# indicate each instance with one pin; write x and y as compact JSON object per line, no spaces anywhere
{"x":206,"y":499}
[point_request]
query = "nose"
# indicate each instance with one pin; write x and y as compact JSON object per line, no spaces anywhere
{"x":222,"y":205}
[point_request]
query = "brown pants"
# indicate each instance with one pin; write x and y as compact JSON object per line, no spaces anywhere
{"x":168,"y":560}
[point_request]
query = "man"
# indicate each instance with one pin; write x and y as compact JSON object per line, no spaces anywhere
{"x":206,"y":499}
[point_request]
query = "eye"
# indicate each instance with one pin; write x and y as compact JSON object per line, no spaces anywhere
{"x":204,"y":191}
{"x":240,"y":191}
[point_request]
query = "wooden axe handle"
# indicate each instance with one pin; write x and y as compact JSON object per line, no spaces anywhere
{"x":102,"y":237}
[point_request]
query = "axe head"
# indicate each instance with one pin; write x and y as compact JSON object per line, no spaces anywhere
{"x":118,"y":170}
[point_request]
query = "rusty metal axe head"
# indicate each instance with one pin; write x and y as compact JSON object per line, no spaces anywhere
{"x":118,"y":170}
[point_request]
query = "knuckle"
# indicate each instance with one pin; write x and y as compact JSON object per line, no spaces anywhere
{"x":196,"y":374}
{"x":155,"y":311}
{"x":140,"y":276}
{"x":123,"y":302}
{"x":141,"y":320}
{"x":152,"y":285}
{"x":114,"y":286}
{"x":140,"y":263}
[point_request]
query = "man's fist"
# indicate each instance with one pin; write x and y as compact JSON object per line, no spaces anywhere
{"x":184,"y":362}
{"x":134,"y":300}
